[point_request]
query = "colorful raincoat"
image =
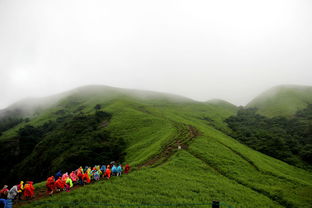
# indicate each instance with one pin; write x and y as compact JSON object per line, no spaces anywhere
{"x":65,"y":176}
{"x":103,"y":168}
{"x":96,"y":175}
{"x":20,"y":187}
{"x":119,"y":169}
{"x":29,"y":190}
{"x":59,"y":184}
{"x":114,"y":169}
{"x":58,"y":174}
{"x":13,"y":192}
{"x":69,"y":182}
{"x":73,"y":176}
{"x":86,"y":178}
{"x":50,"y":184}
{"x":107,"y":173}
{"x":4,"y":192}
{"x":127,"y":169}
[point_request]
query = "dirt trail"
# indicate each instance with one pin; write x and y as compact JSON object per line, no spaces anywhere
{"x":186,"y":133}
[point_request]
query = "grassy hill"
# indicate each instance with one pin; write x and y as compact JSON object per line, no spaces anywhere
{"x":210,"y":165}
{"x":282,"y":100}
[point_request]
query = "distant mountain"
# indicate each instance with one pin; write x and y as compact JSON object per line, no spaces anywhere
{"x":30,"y":106}
{"x":223,"y":103}
{"x":282,"y":100}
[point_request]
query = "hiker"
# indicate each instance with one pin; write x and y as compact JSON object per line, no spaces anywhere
{"x":98,"y":169}
{"x":29,"y":190}
{"x":80,"y":177}
{"x":127,"y":169}
{"x":20,"y":189}
{"x":80,"y":170}
{"x":58,"y":174}
{"x":86,"y":178}
{"x":68,"y":184}
{"x":119,"y":170}
{"x":107,"y":173}
{"x":92,"y":173}
{"x":59,"y":184}
{"x":96,"y":175}
{"x":73,"y":176}
{"x":4,"y":192}
{"x":65,"y":176}
{"x":103,"y":169}
{"x":89,"y":173}
{"x":114,"y":170}
{"x":13,"y":192}
{"x":50,"y":184}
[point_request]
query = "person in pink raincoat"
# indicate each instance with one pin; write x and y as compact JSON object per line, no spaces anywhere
{"x":73,"y":176}
{"x":65,"y":176}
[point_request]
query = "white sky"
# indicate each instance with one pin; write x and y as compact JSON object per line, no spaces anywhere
{"x":225,"y":49}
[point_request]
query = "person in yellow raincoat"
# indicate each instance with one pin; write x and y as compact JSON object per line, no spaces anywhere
{"x":20,"y":188}
{"x":89,"y":173}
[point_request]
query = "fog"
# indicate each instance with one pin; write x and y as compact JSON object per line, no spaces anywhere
{"x":225,"y":49}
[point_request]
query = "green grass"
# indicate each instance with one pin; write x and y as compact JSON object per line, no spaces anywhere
{"x":184,"y":179}
{"x":214,"y":167}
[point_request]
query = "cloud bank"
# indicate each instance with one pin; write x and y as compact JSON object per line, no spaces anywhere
{"x":200,"y":49}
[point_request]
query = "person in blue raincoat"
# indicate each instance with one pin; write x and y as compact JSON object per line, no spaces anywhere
{"x":114,"y":170}
{"x":103,"y":168}
{"x":58,"y":174}
{"x":119,"y":170}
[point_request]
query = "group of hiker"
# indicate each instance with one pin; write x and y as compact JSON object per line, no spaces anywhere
{"x":17,"y":191}
{"x":64,"y":182}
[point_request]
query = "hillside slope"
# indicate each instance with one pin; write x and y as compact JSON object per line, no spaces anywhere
{"x":31,"y":139}
{"x":210,"y":166}
{"x":282,"y":100}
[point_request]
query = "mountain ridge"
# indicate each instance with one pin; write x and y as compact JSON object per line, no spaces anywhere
{"x":282,"y":100}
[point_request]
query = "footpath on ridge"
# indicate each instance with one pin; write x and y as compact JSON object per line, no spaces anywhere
{"x":186,"y":133}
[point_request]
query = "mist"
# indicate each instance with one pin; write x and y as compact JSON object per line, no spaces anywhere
{"x":232,"y":50}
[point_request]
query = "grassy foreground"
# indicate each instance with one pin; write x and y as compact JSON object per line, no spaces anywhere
{"x":182,"y":180}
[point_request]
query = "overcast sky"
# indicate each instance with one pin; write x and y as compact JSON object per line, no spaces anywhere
{"x":225,"y":49}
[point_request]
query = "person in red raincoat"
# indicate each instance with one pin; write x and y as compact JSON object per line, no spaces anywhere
{"x":127,"y":169}
{"x":4,"y":192}
{"x":107,"y":173}
{"x":59,"y":184}
{"x":50,"y":184}
{"x":80,"y":177}
{"x":29,"y":190}
{"x":86,"y":178}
